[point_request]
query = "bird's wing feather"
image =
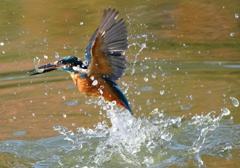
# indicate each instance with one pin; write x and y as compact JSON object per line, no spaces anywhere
{"x":104,"y":54}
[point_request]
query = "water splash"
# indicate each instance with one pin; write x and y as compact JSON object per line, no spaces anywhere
{"x":95,"y":82}
{"x":155,"y":141}
{"x":127,"y":138}
{"x":141,"y":46}
{"x":142,"y":142}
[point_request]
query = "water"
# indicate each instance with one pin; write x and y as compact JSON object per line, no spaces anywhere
{"x":182,"y":83}
{"x":156,"y":141}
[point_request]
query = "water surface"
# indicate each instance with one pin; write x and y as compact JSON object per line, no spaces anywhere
{"x":182,"y":82}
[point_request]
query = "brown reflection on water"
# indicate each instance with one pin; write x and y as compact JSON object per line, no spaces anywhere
{"x":36,"y":108}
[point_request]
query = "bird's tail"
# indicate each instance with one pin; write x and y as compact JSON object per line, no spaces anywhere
{"x":123,"y":100}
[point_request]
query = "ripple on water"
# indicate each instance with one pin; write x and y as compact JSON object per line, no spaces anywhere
{"x":146,"y":88}
{"x":20,"y":133}
{"x":72,"y":103}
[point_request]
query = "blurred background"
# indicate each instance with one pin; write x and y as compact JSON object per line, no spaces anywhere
{"x":183,"y":60}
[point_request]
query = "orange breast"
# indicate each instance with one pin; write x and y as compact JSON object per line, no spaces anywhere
{"x":95,"y":87}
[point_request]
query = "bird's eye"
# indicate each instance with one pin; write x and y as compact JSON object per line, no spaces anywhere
{"x":62,"y":62}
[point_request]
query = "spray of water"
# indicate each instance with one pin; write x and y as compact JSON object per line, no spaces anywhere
{"x":141,"y":142}
{"x":155,"y":141}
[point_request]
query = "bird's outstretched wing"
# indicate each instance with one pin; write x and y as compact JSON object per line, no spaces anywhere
{"x":104,"y":53}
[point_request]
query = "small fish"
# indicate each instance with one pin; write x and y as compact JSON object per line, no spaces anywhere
{"x":36,"y":65}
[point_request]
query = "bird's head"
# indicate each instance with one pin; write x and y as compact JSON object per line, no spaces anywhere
{"x":71,"y":64}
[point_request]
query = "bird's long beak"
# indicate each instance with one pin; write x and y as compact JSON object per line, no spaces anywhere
{"x":42,"y":69}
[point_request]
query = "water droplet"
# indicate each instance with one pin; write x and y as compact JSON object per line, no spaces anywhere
{"x":191,"y":97}
{"x":56,"y":55}
{"x":155,"y":111}
{"x":100,"y":91}
{"x":81,"y":129}
{"x":95,"y":82}
{"x":232,"y":34}
{"x":235,"y":102}
{"x":167,"y":136}
{"x":225,"y":111}
{"x":137,"y":93}
{"x":90,"y":131}
{"x":56,"y":127}
{"x":204,"y":132}
{"x":236,"y":15}
{"x":161,"y":92}
{"x":148,"y":160}
{"x":213,"y":126}
{"x":70,"y":132}
{"x":113,"y":103}
{"x":154,"y":76}
{"x":81,"y":23}
{"x":148,"y":102}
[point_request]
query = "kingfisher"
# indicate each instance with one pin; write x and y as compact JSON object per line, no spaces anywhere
{"x":105,"y":61}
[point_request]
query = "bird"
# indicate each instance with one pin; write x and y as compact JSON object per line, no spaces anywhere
{"x":105,"y":62}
